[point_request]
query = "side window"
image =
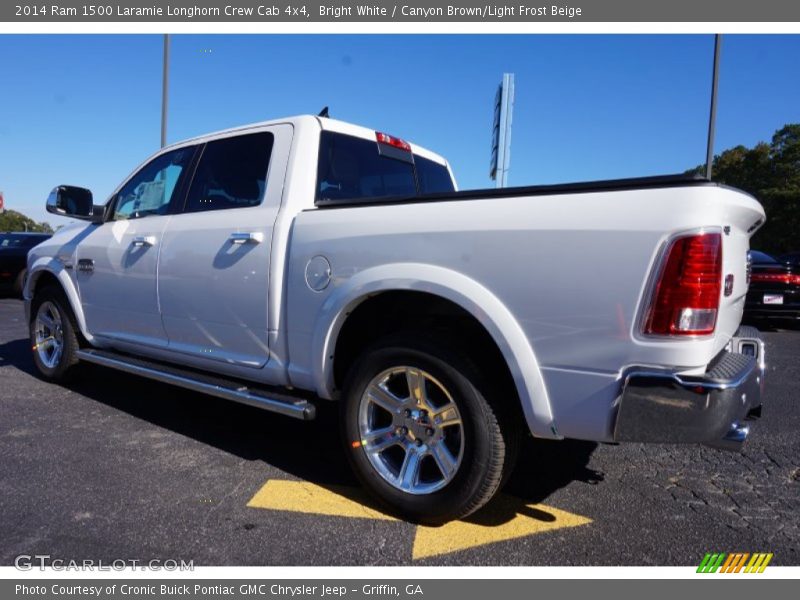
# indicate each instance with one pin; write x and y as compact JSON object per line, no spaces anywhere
{"x":232,"y":173}
{"x":150,"y":191}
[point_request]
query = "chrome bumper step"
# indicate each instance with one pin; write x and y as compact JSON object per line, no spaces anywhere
{"x":229,"y":389}
{"x":711,"y":409}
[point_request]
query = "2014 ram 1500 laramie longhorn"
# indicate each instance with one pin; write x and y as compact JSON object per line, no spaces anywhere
{"x":301,"y":260}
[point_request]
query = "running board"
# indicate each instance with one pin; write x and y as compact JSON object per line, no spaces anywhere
{"x":229,"y":389}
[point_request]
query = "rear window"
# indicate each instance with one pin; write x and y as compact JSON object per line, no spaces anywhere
{"x":351,"y":168}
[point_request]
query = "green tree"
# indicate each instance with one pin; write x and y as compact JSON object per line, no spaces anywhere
{"x":11,"y":220}
{"x":771,"y":173}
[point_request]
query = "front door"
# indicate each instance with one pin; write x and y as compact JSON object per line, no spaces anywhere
{"x":117,"y":261}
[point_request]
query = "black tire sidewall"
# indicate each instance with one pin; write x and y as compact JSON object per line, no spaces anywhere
{"x":479,"y":422}
{"x":69,"y":354}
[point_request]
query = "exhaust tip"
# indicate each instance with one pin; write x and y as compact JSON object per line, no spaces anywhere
{"x":734,"y":439}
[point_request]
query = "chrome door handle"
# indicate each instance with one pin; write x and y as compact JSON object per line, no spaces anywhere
{"x":247,"y":238}
{"x":144,"y":240}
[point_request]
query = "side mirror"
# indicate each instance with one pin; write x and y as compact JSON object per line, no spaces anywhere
{"x":72,"y":201}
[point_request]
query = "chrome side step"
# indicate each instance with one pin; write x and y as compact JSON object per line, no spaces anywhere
{"x":229,"y":389}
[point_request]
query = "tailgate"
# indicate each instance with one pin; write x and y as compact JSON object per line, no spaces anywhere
{"x":743,"y":216}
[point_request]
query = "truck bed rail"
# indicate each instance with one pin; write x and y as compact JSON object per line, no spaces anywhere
{"x":582,"y":187}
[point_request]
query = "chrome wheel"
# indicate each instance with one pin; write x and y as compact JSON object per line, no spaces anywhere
{"x":48,"y":335}
{"x":411,"y":430}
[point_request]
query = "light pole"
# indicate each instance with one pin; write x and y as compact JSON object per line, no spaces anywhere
{"x":712,"y":118}
{"x":165,"y":92}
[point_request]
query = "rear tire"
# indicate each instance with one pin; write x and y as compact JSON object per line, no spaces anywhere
{"x":422,"y":434}
{"x":53,"y":334}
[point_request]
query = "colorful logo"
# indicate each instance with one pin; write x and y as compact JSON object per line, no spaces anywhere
{"x":734,"y":563}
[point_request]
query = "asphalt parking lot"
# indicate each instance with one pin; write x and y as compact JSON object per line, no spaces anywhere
{"x":117,"y":467}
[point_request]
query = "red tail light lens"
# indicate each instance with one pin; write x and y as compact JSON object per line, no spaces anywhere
{"x":686,"y":296}
{"x":776,"y":278}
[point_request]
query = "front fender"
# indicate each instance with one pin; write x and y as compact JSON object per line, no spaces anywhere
{"x":459,"y":289}
{"x":55,"y":267}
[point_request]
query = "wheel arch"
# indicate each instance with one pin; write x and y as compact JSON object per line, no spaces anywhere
{"x":50,"y":271}
{"x":448,"y":287}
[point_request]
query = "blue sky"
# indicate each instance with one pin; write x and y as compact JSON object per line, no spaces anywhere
{"x":85,"y":109}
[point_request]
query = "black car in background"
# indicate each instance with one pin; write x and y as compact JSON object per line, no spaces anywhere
{"x":13,"y":259}
{"x":774,"y":291}
{"x":792,"y":258}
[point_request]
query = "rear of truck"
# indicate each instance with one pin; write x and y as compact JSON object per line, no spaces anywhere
{"x":604,"y":311}
{"x":629,"y":294}
{"x":696,"y":291}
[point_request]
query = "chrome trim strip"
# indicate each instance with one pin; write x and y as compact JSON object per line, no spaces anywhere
{"x":303,"y":411}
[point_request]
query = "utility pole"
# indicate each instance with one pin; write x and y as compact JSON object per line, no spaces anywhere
{"x":712,"y":118}
{"x":165,"y":92}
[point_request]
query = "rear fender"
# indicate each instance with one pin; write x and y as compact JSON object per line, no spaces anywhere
{"x":459,"y":289}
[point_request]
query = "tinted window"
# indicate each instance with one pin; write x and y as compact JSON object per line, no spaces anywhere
{"x":150,"y":191}
{"x":232,"y":173}
{"x":350,"y":167}
{"x":433,"y":177}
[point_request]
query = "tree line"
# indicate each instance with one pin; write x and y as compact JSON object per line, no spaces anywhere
{"x":771,"y":173}
{"x":11,"y":220}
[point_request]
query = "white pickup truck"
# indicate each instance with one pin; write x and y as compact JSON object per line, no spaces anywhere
{"x":306,"y":260}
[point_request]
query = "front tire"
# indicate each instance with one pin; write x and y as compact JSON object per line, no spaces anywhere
{"x":53,"y":334}
{"x":421,"y":432}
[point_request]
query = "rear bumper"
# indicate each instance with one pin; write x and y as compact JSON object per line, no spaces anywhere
{"x":711,"y":409}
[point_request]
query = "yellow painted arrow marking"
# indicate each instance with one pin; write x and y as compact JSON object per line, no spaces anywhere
{"x":504,"y":518}
{"x":309,"y":498}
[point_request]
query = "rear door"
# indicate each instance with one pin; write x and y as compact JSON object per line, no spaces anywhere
{"x":214,"y":268}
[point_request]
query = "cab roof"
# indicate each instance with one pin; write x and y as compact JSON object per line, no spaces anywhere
{"x":305,"y":121}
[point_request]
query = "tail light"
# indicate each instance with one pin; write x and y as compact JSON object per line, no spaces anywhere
{"x":787,"y":278}
{"x":686,"y":296}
